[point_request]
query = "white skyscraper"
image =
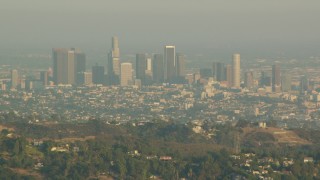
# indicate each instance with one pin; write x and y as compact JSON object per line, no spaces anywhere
{"x":236,"y":71}
{"x":126,"y":74}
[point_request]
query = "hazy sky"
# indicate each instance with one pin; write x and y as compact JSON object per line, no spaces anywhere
{"x":194,"y":26}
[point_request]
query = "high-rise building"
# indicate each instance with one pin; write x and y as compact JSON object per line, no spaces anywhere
{"x":276,"y":78}
{"x":169,"y":63}
{"x":229,"y":75}
{"x":141,"y":66}
{"x":80,"y":66}
{"x":98,"y":74}
{"x":87,"y":77}
{"x":205,"y":72}
{"x":157,"y":68}
{"x":44,"y":77}
{"x":66,"y":64}
{"x":214,"y":70}
{"x":149,"y":71}
{"x":126,"y":74}
{"x":248,"y":80}
{"x":220,"y":71}
{"x":304,"y":84}
{"x":180,"y":65}
{"x":114,"y":62}
{"x":265,"y":80}
{"x":236,"y":71}
{"x":149,"y":64}
{"x":14,"y":79}
{"x":286,"y":81}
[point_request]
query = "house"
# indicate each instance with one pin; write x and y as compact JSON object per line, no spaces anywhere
{"x":308,"y":160}
{"x":58,"y":149}
{"x":165,"y":158}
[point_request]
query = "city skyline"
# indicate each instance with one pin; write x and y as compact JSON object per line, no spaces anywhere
{"x":165,"y":89}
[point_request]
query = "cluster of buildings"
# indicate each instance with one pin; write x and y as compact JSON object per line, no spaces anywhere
{"x":161,"y":86}
{"x":69,"y":68}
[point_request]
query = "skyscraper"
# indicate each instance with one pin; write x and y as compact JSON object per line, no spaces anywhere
{"x":44,"y":77}
{"x":14,"y":79}
{"x":236,"y":71}
{"x":114,"y":62}
{"x":248,"y":80}
{"x":219,"y":71}
{"x":214,"y":71}
{"x":98,"y":74}
{"x":286,"y":81}
{"x":149,"y":64}
{"x":141,"y":66}
{"x":304,"y":84}
{"x":66,"y":64}
{"x":180,"y":65}
{"x":126,"y":74}
{"x":85,"y":78}
{"x":169,"y":63}
{"x":205,"y":73}
{"x":229,"y":75}
{"x":265,"y":80}
{"x":157,"y":68}
{"x":276,"y":78}
{"x":80,"y":66}
{"x":148,"y":79}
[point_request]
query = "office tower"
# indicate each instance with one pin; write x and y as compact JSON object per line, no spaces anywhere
{"x":22,"y":84}
{"x":3,"y":86}
{"x":229,"y":75}
{"x":141,"y":66}
{"x":50,"y":72}
{"x":220,"y":71}
{"x":286,"y":82}
{"x":98,"y":74}
{"x":304,"y":84}
{"x":44,"y":78}
{"x":114,"y":62}
{"x":265,"y":79}
{"x":149,"y":64}
{"x":236,"y":71}
{"x":276,"y":78}
{"x":29,"y":85}
{"x":157,"y":68}
{"x":180,"y":65}
{"x":87,"y":77}
{"x":169,"y":63}
{"x":206,"y":72}
{"x":137,"y":83}
{"x":149,"y":72}
{"x":14,"y":79}
{"x":65,"y":65}
{"x":149,"y":67}
{"x":80,"y":66}
{"x":214,"y":71}
{"x":248,"y":80}
{"x":126,"y":74}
